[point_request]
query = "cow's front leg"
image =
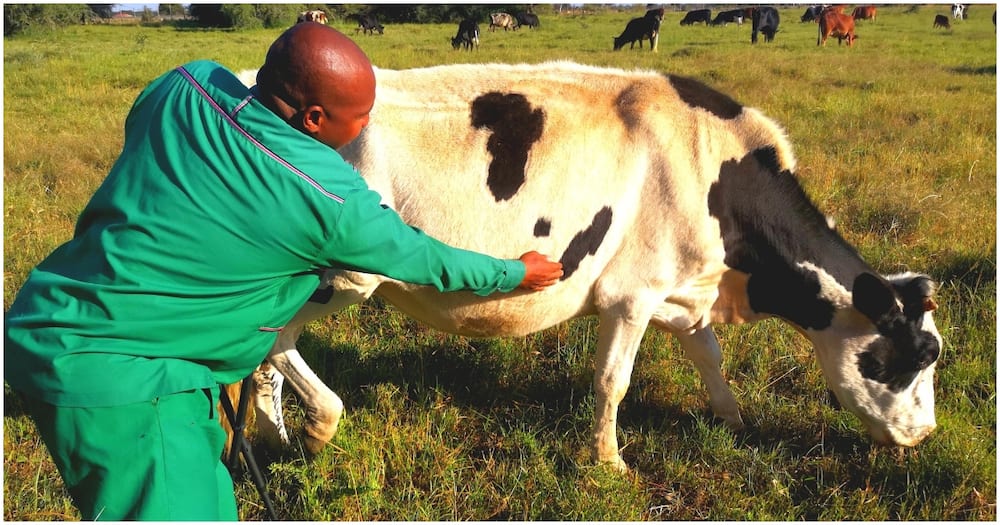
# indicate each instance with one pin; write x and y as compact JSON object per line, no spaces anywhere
{"x":702,"y":348}
{"x":618,"y":341}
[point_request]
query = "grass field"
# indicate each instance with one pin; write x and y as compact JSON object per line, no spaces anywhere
{"x":895,"y":138}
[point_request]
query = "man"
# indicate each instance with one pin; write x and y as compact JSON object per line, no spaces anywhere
{"x":208,"y":234}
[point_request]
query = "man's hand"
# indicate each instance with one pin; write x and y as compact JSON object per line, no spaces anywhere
{"x":541,"y":272}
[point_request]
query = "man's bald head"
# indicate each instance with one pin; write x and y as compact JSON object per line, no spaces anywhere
{"x":312,"y":65}
{"x":308,"y":61}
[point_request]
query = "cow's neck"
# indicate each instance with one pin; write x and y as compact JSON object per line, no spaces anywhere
{"x":798,"y":267}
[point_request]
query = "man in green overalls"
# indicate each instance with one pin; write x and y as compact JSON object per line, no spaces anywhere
{"x":207,"y":236}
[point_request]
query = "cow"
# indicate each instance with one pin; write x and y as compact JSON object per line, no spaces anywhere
{"x":698,"y":15}
{"x":958,"y":11}
{"x":636,"y":30}
{"x":764,"y":20}
{"x":837,"y":25}
{"x":656,"y":13}
{"x":468,"y":35}
{"x":685,"y":212}
{"x":812,"y":13}
{"x":865,"y":12}
{"x":368,"y":23}
{"x":312,"y":16}
{"x":503,"y":20}
{"x":727,"y":17}
{"x":942,"y":22}
{"x":525,"y":19}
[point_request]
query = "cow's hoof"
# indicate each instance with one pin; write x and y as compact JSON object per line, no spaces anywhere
{"x":733,"y":422}
{"x":314,"y":445}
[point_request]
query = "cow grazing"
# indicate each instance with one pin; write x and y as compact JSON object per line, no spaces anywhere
{"x":684,"y":212}
{"x":865,"y":12}
{"x":525,"y":19}
{"x":468,"y":35}
{"x":764,"y":20}
{"x":368,"y":24}
{"x":696,"y":16}
{"x":503,"y":20}
{"x":812,"y":13}
{"x":638,"y":29}
{"x":837,"y":25}
{"x":312,"y":16}
{"x":942,"y":22}
{"x":728,"y":17}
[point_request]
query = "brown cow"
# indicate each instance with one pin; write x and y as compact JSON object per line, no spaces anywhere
{"x":864,"y":12}
{"x":838,"y":25}
{"x":942,"y":21}
{"x":312,"y":16}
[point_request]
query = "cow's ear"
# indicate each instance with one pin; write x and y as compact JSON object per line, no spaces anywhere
{"x":873,"y":297}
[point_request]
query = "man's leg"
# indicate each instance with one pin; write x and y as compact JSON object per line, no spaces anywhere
{"x":157,"y":460}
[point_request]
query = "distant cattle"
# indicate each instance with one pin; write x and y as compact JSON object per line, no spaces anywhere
{"x":765,"y":21}
{"x":728,"y":17}
{"x":684,"y":212}
{"x":529,"y":20}
{"x":958,"y":11}
{"x":312,"y":16}
{"x":468,"y":35}
{"x":696,"y":16}
{"x":638,"y":29}
{"x":368,"y":23}
{"x":503,"y":20}
{"x":837,"y":25}
{"x":865,"y":12}
{"x":942,"y":22}
{"x":812,"y":13}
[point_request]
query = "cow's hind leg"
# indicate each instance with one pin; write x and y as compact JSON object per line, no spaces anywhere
{"x":702,"y":348}
{"x":323,"y":408}
{"x":618,"y":341}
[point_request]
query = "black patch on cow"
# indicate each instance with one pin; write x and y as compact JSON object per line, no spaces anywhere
{"x":322,"y":295}
{"x":768,"y":225}
{"x":904,"y":348}
{"x":696,"y":94}
{"x":586,"y":242}
{"x":543,"y":227}
{"x":515,"y":127}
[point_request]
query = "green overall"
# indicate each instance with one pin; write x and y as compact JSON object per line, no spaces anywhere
{"x":209,"y":233}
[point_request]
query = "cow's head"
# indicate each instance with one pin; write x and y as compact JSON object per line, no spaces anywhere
{"x":879,"y":356}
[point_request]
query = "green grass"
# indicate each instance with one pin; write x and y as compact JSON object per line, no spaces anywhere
{"x":895,"y":138}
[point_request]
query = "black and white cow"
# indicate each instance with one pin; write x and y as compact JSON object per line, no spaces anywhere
{"x":696,"y":16}
{"x":728,"y":17}
{"x":684,"y":212}
{"x":812,"y":13}
{"x":764,"y":20}
{"x":638,"y":29}
{"x":467,"y":36}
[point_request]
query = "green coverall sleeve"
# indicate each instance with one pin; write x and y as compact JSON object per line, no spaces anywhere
{"x":373,"y":238}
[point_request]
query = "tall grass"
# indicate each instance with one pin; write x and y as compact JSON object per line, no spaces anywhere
{"x":895,"y":138}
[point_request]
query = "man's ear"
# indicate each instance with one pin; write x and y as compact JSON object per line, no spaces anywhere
{"x":312,"y":118}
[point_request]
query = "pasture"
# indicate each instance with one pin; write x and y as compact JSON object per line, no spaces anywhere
{"x":895,"y":139}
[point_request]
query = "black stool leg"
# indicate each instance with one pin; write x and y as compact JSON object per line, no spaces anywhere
{"x":241,"y":445}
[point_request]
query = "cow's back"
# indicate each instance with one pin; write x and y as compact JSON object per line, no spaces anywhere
{"x":606,"y":170}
